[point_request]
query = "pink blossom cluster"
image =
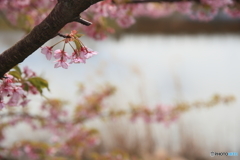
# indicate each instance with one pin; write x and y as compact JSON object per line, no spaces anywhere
{"x":54,"y":113}
{"x":91,"y":105}
{"x":79,"y":140}
{"x":106,"y":14}
{"x":26,"y":150}
{"x":101,"y":13}
{"x":12,"y":91}
{"x":79,"y":55}
{"x":26,"y":13}
{"x":160,"y":113}
{"x":217,"y":3}
{"x":209,"y":9}
{"x":161,"y":10}
{"x":233,"y":12}
{"x":124,"y":14}
{"x":75,"y":146}
{"x":69,"y":137}
{"x":114,"y":156}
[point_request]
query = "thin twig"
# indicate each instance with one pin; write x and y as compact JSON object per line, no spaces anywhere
{"x":64,"y":36}
{"x":82,"y":21}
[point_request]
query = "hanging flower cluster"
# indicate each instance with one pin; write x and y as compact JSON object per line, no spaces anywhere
{"x":16,"y":85}
{"x":79,"y":55}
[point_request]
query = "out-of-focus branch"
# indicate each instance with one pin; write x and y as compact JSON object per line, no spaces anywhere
{"x":147,"y":1}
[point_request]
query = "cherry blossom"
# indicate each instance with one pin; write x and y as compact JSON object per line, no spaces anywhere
{"x":70,"y":137}
{"x":25,"y":102}
{"x":15,"y":88}
{"x":79,"y":55}
{"x":87,"y":52}
{"x":17,"y":93}
{"x":61,"y":63}
{"x":217,"y":3}
{"x":61,"y":54}
{"x":28,"y":72}
{"x":120,"y":11}
{"x":2,"y":104}
{"x":47,"y":51}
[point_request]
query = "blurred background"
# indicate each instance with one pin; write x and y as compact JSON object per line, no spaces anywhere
{"x":157,"y":61}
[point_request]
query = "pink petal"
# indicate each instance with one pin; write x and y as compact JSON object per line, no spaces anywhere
{"x":58,"y":53}
{"x":57,"y":65}
{"x":64,"y":65}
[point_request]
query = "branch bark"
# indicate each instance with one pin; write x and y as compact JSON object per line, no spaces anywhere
{"x":64,"y":12}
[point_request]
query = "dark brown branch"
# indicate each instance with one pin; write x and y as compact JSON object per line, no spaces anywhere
{"x":64,"y":12}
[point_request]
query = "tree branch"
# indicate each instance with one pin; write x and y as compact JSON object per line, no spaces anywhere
{"x":64,"y":12}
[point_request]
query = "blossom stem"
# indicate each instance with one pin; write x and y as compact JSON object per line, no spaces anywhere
{"x":57,"y":43}
{"x":71,"y":46}
{"x":64,"y":46}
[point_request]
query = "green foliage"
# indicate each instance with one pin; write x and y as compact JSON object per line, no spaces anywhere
{"x":78,"y":44}
{"x":16,"y":72}
{"x":39,"y":83}
{"x":26,"y":80}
